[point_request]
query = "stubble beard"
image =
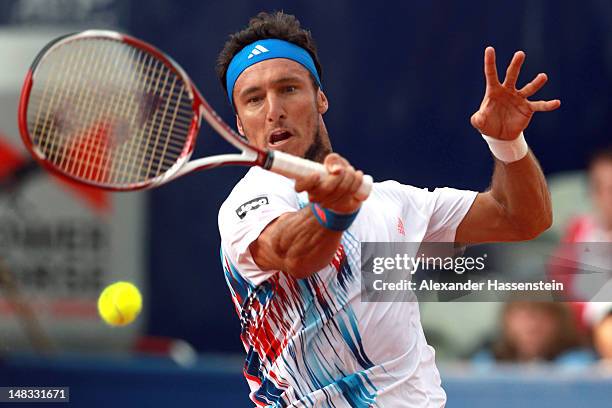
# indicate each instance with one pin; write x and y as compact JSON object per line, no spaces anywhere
{"x":317,"y":149}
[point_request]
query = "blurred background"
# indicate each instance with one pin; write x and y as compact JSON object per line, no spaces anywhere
{"x":403,"y":79}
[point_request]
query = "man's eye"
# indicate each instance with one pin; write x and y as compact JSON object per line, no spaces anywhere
{"x":290,"y":89}
{"x":254,"y":99}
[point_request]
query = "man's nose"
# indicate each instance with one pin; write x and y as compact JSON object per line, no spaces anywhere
{"x":276,"y":109}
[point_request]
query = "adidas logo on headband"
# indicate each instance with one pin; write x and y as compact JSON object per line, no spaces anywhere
{"x":258,"y":49}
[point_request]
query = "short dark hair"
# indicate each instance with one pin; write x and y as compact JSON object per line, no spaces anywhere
{"x":267,"y":25}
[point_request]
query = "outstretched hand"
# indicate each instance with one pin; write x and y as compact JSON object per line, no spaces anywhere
{"x":505,"y":111}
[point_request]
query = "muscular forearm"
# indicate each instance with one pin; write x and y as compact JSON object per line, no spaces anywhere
{"x":520,"y":188}
{"x":296,"y":244}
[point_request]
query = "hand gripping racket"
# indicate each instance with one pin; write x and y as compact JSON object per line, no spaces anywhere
{"x":108,"y":110}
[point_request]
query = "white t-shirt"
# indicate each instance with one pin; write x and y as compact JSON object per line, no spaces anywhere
{"x":313,"y":342}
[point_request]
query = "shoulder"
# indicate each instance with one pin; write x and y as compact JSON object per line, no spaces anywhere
{"x":420,"y":198}
{"x":260,"y":180}
{"x":258,"y":187}
{"x":408,"y":197}
{"x":258,"y":198}
{"x":394,"y":187}
{"x":440,"y":210}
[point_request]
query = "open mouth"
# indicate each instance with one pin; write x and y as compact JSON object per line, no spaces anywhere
{"x":278,"y":137}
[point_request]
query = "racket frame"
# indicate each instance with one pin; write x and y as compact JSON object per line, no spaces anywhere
{"x":250,"y":155}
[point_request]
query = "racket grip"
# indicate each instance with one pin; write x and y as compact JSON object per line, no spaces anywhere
{"x":293,"y":166}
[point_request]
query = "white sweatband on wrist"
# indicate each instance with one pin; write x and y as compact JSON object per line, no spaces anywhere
{"x":508,"y":151}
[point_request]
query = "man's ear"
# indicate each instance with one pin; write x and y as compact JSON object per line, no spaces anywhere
{"x":322,"y":103}
{"x":239,"y":126}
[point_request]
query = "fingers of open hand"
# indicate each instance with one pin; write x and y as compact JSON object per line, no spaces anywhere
{"x":490,"y":69}
{"x":544,"y":106}
{"x":514,"y":69}
{"x":534,"y":86}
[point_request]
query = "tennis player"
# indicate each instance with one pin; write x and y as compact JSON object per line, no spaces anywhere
{"x":291,"y":250}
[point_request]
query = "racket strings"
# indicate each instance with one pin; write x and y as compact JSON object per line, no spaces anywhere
{"x":109,"y":113}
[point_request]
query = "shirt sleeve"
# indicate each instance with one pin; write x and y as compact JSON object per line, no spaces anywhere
{"x":245,"y":214}
{"x":447,"y":207}
{"x":439,"y":212}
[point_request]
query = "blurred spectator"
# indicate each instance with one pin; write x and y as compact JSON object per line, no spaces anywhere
{"x":596,"y":227}
{"x":599,"y":316}
{"x":583,"y":263}
{"x":534,"y":331}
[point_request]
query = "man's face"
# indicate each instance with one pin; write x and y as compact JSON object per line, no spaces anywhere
{"x":601,"y":187}
{"x":280,"y":109}
{"x":532,"y":331}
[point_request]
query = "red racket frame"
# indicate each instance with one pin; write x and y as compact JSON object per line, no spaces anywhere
{"x":200,"y":108}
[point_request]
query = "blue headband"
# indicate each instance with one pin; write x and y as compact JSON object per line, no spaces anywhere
{"x":263,"y":50}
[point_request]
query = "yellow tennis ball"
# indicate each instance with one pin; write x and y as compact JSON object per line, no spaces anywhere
{"x":120,"y":303}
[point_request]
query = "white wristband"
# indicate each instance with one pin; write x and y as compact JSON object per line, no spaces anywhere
{"x":508,"y":151}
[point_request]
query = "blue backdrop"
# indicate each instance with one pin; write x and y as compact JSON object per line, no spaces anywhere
{"x":403,"y":79}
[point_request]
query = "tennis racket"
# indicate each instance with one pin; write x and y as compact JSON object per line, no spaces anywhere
{"x":111,"y":111}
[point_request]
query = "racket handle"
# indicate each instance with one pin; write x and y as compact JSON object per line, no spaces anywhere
{"x":293,"y":166}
